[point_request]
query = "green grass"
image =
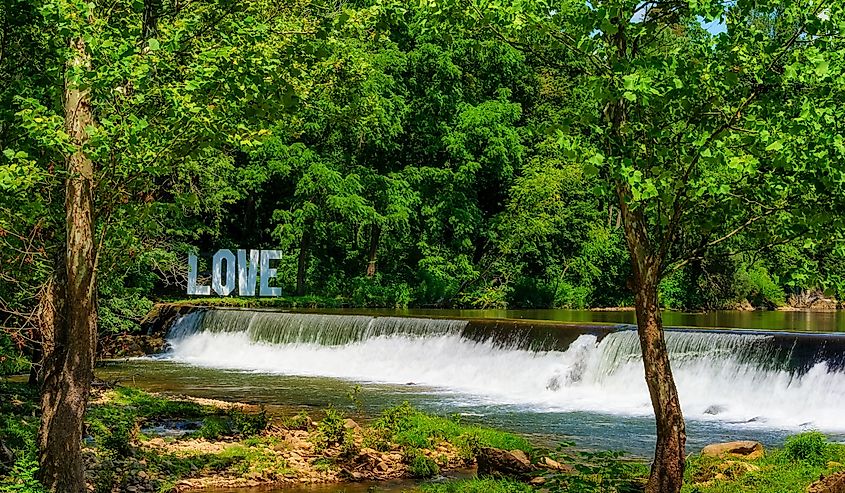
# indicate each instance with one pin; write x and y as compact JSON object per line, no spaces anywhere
{"x":477,"y":486}
{"x":791,"y":469}
{"x":410,"y":428}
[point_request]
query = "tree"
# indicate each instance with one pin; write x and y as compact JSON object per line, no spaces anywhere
{"x":152,"y":110}
{"x":696,"y":135}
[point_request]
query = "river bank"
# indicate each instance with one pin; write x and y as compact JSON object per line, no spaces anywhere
{"x":137,"y":442}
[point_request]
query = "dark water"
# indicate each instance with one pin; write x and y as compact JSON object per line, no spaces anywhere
{"x":813,"y":321}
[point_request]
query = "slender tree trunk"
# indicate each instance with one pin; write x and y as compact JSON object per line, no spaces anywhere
{"x":375,"y":234}
{"x":667,"y":470}
{"x":69,"y":366}
{"x":302,"y":261}
{"x":149,"y":24}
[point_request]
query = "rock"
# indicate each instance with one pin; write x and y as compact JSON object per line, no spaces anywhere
{"x":746,"y":449}
{"x":538,"y":481}
{"x":833,"y":483}
{"x":554,"y":465}
{"x":734,"y":469}
{"x":350,"y":424}
{"x":714,"y":410}
{"x":744,"y":305}
{"x":500,"y":463}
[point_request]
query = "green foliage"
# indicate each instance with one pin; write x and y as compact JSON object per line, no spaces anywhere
{"x":22,"y":477}
{"x":249,"y":424}
{"x":811,"y":447}
{"x":477,"y":486}
{"x":12,"y":360}
{"x":419,"y":464}
{"x":597,"y":472}
{"x":375,"y":292}
{"x":300,"y":421}
{"x":213,"y":428}
{"x":802,"y":460}
{"x":760,"y":288}
{"x":113,"y":429}
{"x":410,"y":428}
{"x":330,"y":430}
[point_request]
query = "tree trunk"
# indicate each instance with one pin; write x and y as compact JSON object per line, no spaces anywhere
{"x":667,"y":471}
{"x":302,"y":261}
{"x":371,"y":257}
{"x":69,"y":366}
{"x":149,"y":23}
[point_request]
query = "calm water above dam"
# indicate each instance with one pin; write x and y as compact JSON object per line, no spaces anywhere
{"x":549,"y":381}
{"x":814,"y":321}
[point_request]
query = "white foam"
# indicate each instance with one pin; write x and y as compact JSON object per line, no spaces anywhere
{"x":717,"y":380}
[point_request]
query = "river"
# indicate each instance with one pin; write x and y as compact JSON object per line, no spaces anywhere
{"x":552,"y":382}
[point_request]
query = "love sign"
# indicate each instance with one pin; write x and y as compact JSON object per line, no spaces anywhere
{"x":243,"y":270}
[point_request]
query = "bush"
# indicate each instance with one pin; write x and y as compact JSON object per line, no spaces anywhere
{"x":113,"y":429}
{"x":330,"y":431}
{"x":22,"y":477}
{"x":249,"y":424}
{"x":760,"y":287}
{"x":376,"y":292}
{"x":12,"y":360}
{"x":811,"y":447}
{"x":213,"y":427}
{"x":420,"y":465}
{"x":300,"y":421}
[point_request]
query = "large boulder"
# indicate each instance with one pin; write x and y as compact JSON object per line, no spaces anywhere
{"x":503,"y":463}
{"x":745,"y":449}
{"x":834,"y":483}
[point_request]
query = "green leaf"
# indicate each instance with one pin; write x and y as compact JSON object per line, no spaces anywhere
{"x":775,"y":146}
{"x":822,"y":68}
{"x":153,"y":44}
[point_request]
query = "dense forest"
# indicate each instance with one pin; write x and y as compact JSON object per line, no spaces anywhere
{"x":393,"y":163}
{"x":451,"y":153}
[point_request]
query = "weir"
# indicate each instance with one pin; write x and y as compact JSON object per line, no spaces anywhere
{"x":770,"y":379}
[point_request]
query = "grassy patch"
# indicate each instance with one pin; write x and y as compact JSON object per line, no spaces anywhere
{"x":791,"y":469}
{"x":477,"y":486}
{"x":410,"y":428}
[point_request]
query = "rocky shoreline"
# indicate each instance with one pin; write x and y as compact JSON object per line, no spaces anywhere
{"x":145,"y":442}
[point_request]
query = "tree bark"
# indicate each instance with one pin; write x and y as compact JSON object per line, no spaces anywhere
{"x":69,"y":365}
{"x":149,"y":23}
{"x":375,"y":234}
{"x":667,"y":470}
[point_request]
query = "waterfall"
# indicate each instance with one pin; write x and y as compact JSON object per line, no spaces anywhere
{"x":769,"y":380}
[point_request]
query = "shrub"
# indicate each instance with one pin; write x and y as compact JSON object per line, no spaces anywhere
{"x":330,"y":431}
{"x":811,"y":447}
{"x":213,"y":427}
{"x":300,"y":421}
{"x":22,"y":477}
{"x":249,"y":424}
{"x":760,"y":287}
{"x":113,"y":429}
{"x":420,"y":465}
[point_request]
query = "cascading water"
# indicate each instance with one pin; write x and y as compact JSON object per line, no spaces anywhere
{"x":748,"y":380}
